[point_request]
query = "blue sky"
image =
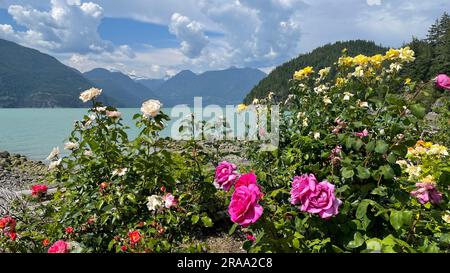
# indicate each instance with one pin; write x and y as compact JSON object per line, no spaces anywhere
{"x":154,"y":39}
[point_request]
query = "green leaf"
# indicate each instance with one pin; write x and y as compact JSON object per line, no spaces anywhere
{"x":381,"y":147}
{"x":358,"y":144}
{"x":391,"y":158}
{"x":296,"y":243}
{"x":387,"y":172}
{"x":362,"y":208}
{"x":232,"y":229}
{"x":358,"y":240}
{"x":374,"y":244}
{"x":381,"y":191}
{"x":207,"y":222}
{"x":363,"y":173}
{"x":131,"y":197}
{"x":347,"y":172}
{"x":195,"y":218}
{"x":400,"y":218}
{"x":370,"y":146}
{"x":418,"y":110}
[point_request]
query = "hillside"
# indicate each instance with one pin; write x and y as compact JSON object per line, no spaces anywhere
{"x":152,"y":84}
{"x":278,"y":80}
{"x":29,"y":78}
{"x":220,"y":87}
{"x":125,"y":91}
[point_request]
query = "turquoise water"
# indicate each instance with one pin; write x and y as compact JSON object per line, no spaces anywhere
{"x":34,"y":132}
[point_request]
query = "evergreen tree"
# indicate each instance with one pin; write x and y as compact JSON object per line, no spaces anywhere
{"x":441,"y":47}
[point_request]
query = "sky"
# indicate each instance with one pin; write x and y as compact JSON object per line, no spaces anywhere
{"x":156,"y":39}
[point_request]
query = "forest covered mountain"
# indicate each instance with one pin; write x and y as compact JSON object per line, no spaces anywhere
{"x":432,"y":58}
{"x":29,"y":78}
{"x":278,"y":80}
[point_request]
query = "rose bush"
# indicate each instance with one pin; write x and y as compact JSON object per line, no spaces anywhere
{"x":350,"y":132}
{"x":119,"y":194}
{"x":366,"y":134}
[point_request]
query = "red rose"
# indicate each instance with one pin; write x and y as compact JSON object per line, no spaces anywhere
{"x":45,"y":242}
{"x":13,"y":236}
{"x":163,"y":189}
{"x":8,"y":223}
{"x":69,"y":230}
{"x":123,"y":248}
{"x":135,"y":236}
{"x":37,"y":190}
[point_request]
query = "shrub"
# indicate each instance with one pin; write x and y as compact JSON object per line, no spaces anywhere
{"x":350,"y":131}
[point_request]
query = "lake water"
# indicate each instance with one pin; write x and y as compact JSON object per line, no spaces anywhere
{"x":34,"y":132}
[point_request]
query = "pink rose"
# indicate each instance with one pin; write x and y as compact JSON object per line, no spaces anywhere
{"x":244,"y":208}
{"x":362,"y":134}
{"x":225,"y":175}
{"x":302,"y":186}
{"x":169,"y":200}
{"x":316,"y":198}
{"x":443,"y":81}
{"x":427,"y":192}
{"x":59,"y":247}
{"x":246,"y":180}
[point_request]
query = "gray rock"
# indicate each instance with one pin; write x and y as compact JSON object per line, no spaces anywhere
{"x":4,"y":154}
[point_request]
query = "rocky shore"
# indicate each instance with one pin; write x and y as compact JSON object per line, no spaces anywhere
{"x":18,"y":173}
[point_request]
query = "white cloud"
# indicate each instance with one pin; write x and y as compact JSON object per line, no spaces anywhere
{"x":373,"y":2}
{"x":150,"y":63}
{"x":69,"y":26}
{"x":254,"y":33}
{"x":190,"y":33}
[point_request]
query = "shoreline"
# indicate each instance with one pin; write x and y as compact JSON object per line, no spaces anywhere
{"x":17,"y":172}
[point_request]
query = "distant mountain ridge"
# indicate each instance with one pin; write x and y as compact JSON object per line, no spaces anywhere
{"x":222,"y":87}
{"x":125,"y":91}
{"x":29,"y":78}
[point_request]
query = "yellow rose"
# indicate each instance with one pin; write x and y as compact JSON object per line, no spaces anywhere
{"x":303,"y":73}
{"x":361,"y":60}
{"x":392,"y":54}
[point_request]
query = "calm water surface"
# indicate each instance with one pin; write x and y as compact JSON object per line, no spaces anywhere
{"x":34,"y":132}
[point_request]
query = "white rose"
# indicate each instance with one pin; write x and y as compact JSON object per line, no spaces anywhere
{"x":316,"y":135}
{"x":54,"y":153}
{"x":120,"y":171}
{"x":88,"y":153}
{"x":71,"y":145}
{"x":113,"y":114}
{"x":347,"y":96}
{"x":100,"y":109}
{"x":54,"y":164}
{"x":151,"y":108}
{"x":90,"y":94}
{"x":154,"y":202}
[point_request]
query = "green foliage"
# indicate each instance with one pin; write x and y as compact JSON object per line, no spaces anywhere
{"x":105,"y":184}
{"x":278,"y":80}
{"x":378,"y":213}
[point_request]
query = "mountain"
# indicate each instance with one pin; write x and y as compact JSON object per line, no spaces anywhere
{"x":29,"y":78}
{"x":120,"y":87}
{"x":220,"y":87}
{"x":278,"y":80}
{"x":152,"y":84}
